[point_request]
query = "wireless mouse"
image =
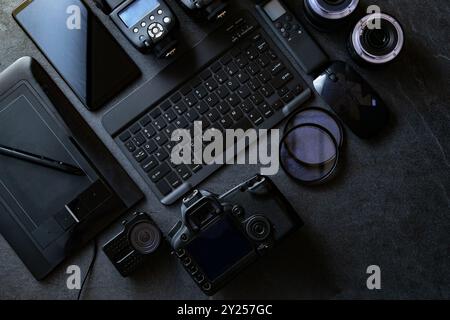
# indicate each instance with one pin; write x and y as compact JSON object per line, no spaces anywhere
{"x":353,"y":99}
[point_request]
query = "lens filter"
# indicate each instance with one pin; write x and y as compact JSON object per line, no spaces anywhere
{"x":309,"y":149}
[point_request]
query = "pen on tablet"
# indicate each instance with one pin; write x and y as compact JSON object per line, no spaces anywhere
{"x":41,"y":160}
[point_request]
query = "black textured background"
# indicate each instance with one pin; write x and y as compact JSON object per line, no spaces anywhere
{"x":389,"y":205}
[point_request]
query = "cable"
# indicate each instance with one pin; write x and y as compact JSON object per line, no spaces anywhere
{"x":91,"y":266}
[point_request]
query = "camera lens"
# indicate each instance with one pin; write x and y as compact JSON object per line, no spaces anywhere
{"x":326,"y":14}
{"x":145,"y":237}
{"x":376,"y":39}
{"x":258,"y":228}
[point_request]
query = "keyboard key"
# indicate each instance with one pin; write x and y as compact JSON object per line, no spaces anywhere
{"x":166,"y":105}
{"x":223,"y":92}
{"x":161,"y":138}
{"x":221,"y":77}
{"x":237,"y":114}
{"x":264,"y":60}
{"x":226,"y":59}
{"x":206,"y":74}
{"x":211,"y":85}
{"x":252,"y":53}
{"x":233,"y":99}
{"x":186,"y":90}
{"x":232,"y":69}
{"x":124,"y":137}
{"x":180,"y":108}
{"x":264,"y":76}
{"x":139,"y":139}
{"x":160,"y":172}
{"x":130,"y":146}
{"x":276,"y":67}
{"x":155,"y":113}
{"x":223,"y":107}
{"x":256,"y":117}
{"x":183,"y":172}
{"x":226,"y":122}
{"x":201,"y":92}
{"x":233,"y":84}
{"x":149,"y":131}
{"x":212,"y":100}
{"x":253,"y":69}
{"x":149,"y":164}
{"x":216,"y":66}
{"x":244,"y":92}
{"x":242,"y":61}
{"x":161,"y":155}
{"x":170,"y":128}
{"x":288,"y":97}
{"x":213,"y":115}
{"x":135,"y":128}
{"x":262,"y":46}
{"x":164,"y":187}
{"x":282,"y":79}
{"x":145,"y":121}
{"x":190,"y":99}
{"x":181,"y":122}
{"x":267,"y":90}
{"x":243,"y":124}
{"x":192,"y":115}
{"x":254,"y":84}
{"x":140,"y":155}
{"x":150,"y":147}
{"x":272,"y":55}
{"x":266,"y":110}
{"x":278,"y":105}
{"x":195,"y":167}
{"x":174,"y":180}
{"x":170,"y":116}
{"x":202,"y":107}
{"x":283,"y":91}
{"x":176,"y":97}
{"x":246,"y":106}
{"x":243,"y":76}
{"x":257,"y":99}
{"x":159,"y":124}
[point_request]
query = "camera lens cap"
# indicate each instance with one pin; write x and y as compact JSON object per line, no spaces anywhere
{"x":309,"y":153}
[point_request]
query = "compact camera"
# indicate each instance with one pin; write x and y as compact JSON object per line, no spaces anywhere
{"x":221,"y":235}
{"x":146,"y":23}
{"x":139,"y":240}
{"x":206,"y":9}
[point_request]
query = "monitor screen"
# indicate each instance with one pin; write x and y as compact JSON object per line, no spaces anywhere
{"x":219,"y":247}
{"x":274,"y":10}
{"x":137,"y":10}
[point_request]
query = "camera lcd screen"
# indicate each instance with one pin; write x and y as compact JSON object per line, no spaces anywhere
{"x":274,"y":10}
{"x":219,"y":247}
{"x":136,"y":11}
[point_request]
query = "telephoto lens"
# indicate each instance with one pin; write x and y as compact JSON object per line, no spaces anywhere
{"x":376,"y":39}
{"x":326,"y":15}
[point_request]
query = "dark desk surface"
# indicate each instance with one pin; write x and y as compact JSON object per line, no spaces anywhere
{"x":389,"y":206}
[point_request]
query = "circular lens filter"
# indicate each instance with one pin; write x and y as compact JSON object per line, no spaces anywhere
{"x":309,"y":153}
{"x":321,"y":117}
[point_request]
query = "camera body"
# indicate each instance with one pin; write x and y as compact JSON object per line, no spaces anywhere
{"x":219,"y":236}
{"x":147,"y":24}
{"x":209,"y":10}
{"x":139,"y":239}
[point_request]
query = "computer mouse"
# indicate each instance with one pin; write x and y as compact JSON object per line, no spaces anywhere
{"x":353,"y":100}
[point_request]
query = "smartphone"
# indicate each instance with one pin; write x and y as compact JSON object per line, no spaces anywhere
{"x":79,"y":47}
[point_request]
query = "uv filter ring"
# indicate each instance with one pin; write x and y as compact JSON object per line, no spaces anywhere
{"x":308,"y":175}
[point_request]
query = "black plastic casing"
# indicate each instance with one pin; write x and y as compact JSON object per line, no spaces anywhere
{"x":257,"y":197}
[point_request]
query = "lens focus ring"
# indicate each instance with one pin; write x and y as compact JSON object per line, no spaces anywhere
{"x":145,"y":237}
{"x":333,"y":9}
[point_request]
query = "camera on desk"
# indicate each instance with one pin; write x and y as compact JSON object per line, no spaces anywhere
{"x":221,"y":235}
{"x":139,"y":240}
{"x":209,"y":10}
{"x":148,"y":24}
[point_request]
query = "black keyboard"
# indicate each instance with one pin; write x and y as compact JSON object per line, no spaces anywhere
{"x":250,"y":85}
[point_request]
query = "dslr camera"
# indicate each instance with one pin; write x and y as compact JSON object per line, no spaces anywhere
{"x":139,"y":240}
{"x":219,"y":236}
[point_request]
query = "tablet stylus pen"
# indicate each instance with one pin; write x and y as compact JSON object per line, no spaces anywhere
{"x":41,"y":160}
